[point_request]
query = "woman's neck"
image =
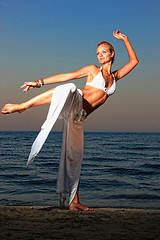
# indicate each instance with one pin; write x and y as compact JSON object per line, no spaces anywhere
{"x":107,"y":67}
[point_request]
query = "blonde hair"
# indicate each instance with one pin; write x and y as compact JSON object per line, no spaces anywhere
{"x":111,"y":48}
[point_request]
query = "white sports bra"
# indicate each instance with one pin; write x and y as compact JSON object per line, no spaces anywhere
{"x":99,"y":82}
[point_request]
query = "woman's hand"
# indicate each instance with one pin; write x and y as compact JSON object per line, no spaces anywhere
{"x":117,"y":34}
{"x":28,"y":85}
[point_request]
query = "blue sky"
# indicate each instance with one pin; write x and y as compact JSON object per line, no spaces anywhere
{"x":40,"y":38}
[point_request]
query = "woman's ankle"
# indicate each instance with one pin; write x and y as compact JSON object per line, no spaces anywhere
{"x":21,"y":107}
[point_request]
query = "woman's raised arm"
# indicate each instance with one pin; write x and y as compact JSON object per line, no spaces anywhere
{"x":133,"y":60}
{"x":83,"y":72}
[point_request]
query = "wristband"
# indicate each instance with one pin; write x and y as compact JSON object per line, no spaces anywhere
{"x":40,"y":83}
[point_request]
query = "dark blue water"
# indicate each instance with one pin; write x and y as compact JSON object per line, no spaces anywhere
{"x":119,"y":170}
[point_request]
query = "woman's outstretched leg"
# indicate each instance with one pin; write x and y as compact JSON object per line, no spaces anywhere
{"x":44,"y":98}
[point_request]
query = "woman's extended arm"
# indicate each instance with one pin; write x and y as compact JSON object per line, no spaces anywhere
{"x":83,"y":72}
{"x":133,"y":60}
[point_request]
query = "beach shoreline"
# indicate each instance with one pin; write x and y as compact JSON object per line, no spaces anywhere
{"x":39,"y":222}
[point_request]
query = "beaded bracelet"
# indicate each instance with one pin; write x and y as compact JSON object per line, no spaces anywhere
{"x":40,"y":83}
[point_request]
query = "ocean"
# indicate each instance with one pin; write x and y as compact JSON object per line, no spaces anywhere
{"x":119,"y":170}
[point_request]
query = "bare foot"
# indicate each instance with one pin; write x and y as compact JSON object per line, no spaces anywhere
{"x":78,"y":207}
{"x":11,"y":108}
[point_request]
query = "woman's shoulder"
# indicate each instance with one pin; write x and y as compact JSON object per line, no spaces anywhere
{"x":89,"y":70}
{"x":92,"y":71}
{"x":93,"y":68}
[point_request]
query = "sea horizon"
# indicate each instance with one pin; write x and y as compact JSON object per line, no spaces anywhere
{"x":119,"y":170}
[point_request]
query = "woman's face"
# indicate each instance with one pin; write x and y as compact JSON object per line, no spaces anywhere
{"x":104,"y":54}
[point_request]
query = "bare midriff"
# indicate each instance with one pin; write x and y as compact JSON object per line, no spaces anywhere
{"x":92,"y":98}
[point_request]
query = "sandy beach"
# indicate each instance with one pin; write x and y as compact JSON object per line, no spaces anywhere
{"x":33,"y":223}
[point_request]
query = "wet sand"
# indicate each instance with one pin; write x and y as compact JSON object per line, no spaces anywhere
{"x":37,"y":223}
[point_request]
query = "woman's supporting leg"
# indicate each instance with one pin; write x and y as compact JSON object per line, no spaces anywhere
{"x":76,"y":205}
{"x":43,"y":98}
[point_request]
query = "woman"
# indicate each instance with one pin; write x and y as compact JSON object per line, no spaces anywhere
{"x":100,"y":84}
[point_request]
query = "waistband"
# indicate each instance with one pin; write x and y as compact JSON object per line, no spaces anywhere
{"x":80,"y":91}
